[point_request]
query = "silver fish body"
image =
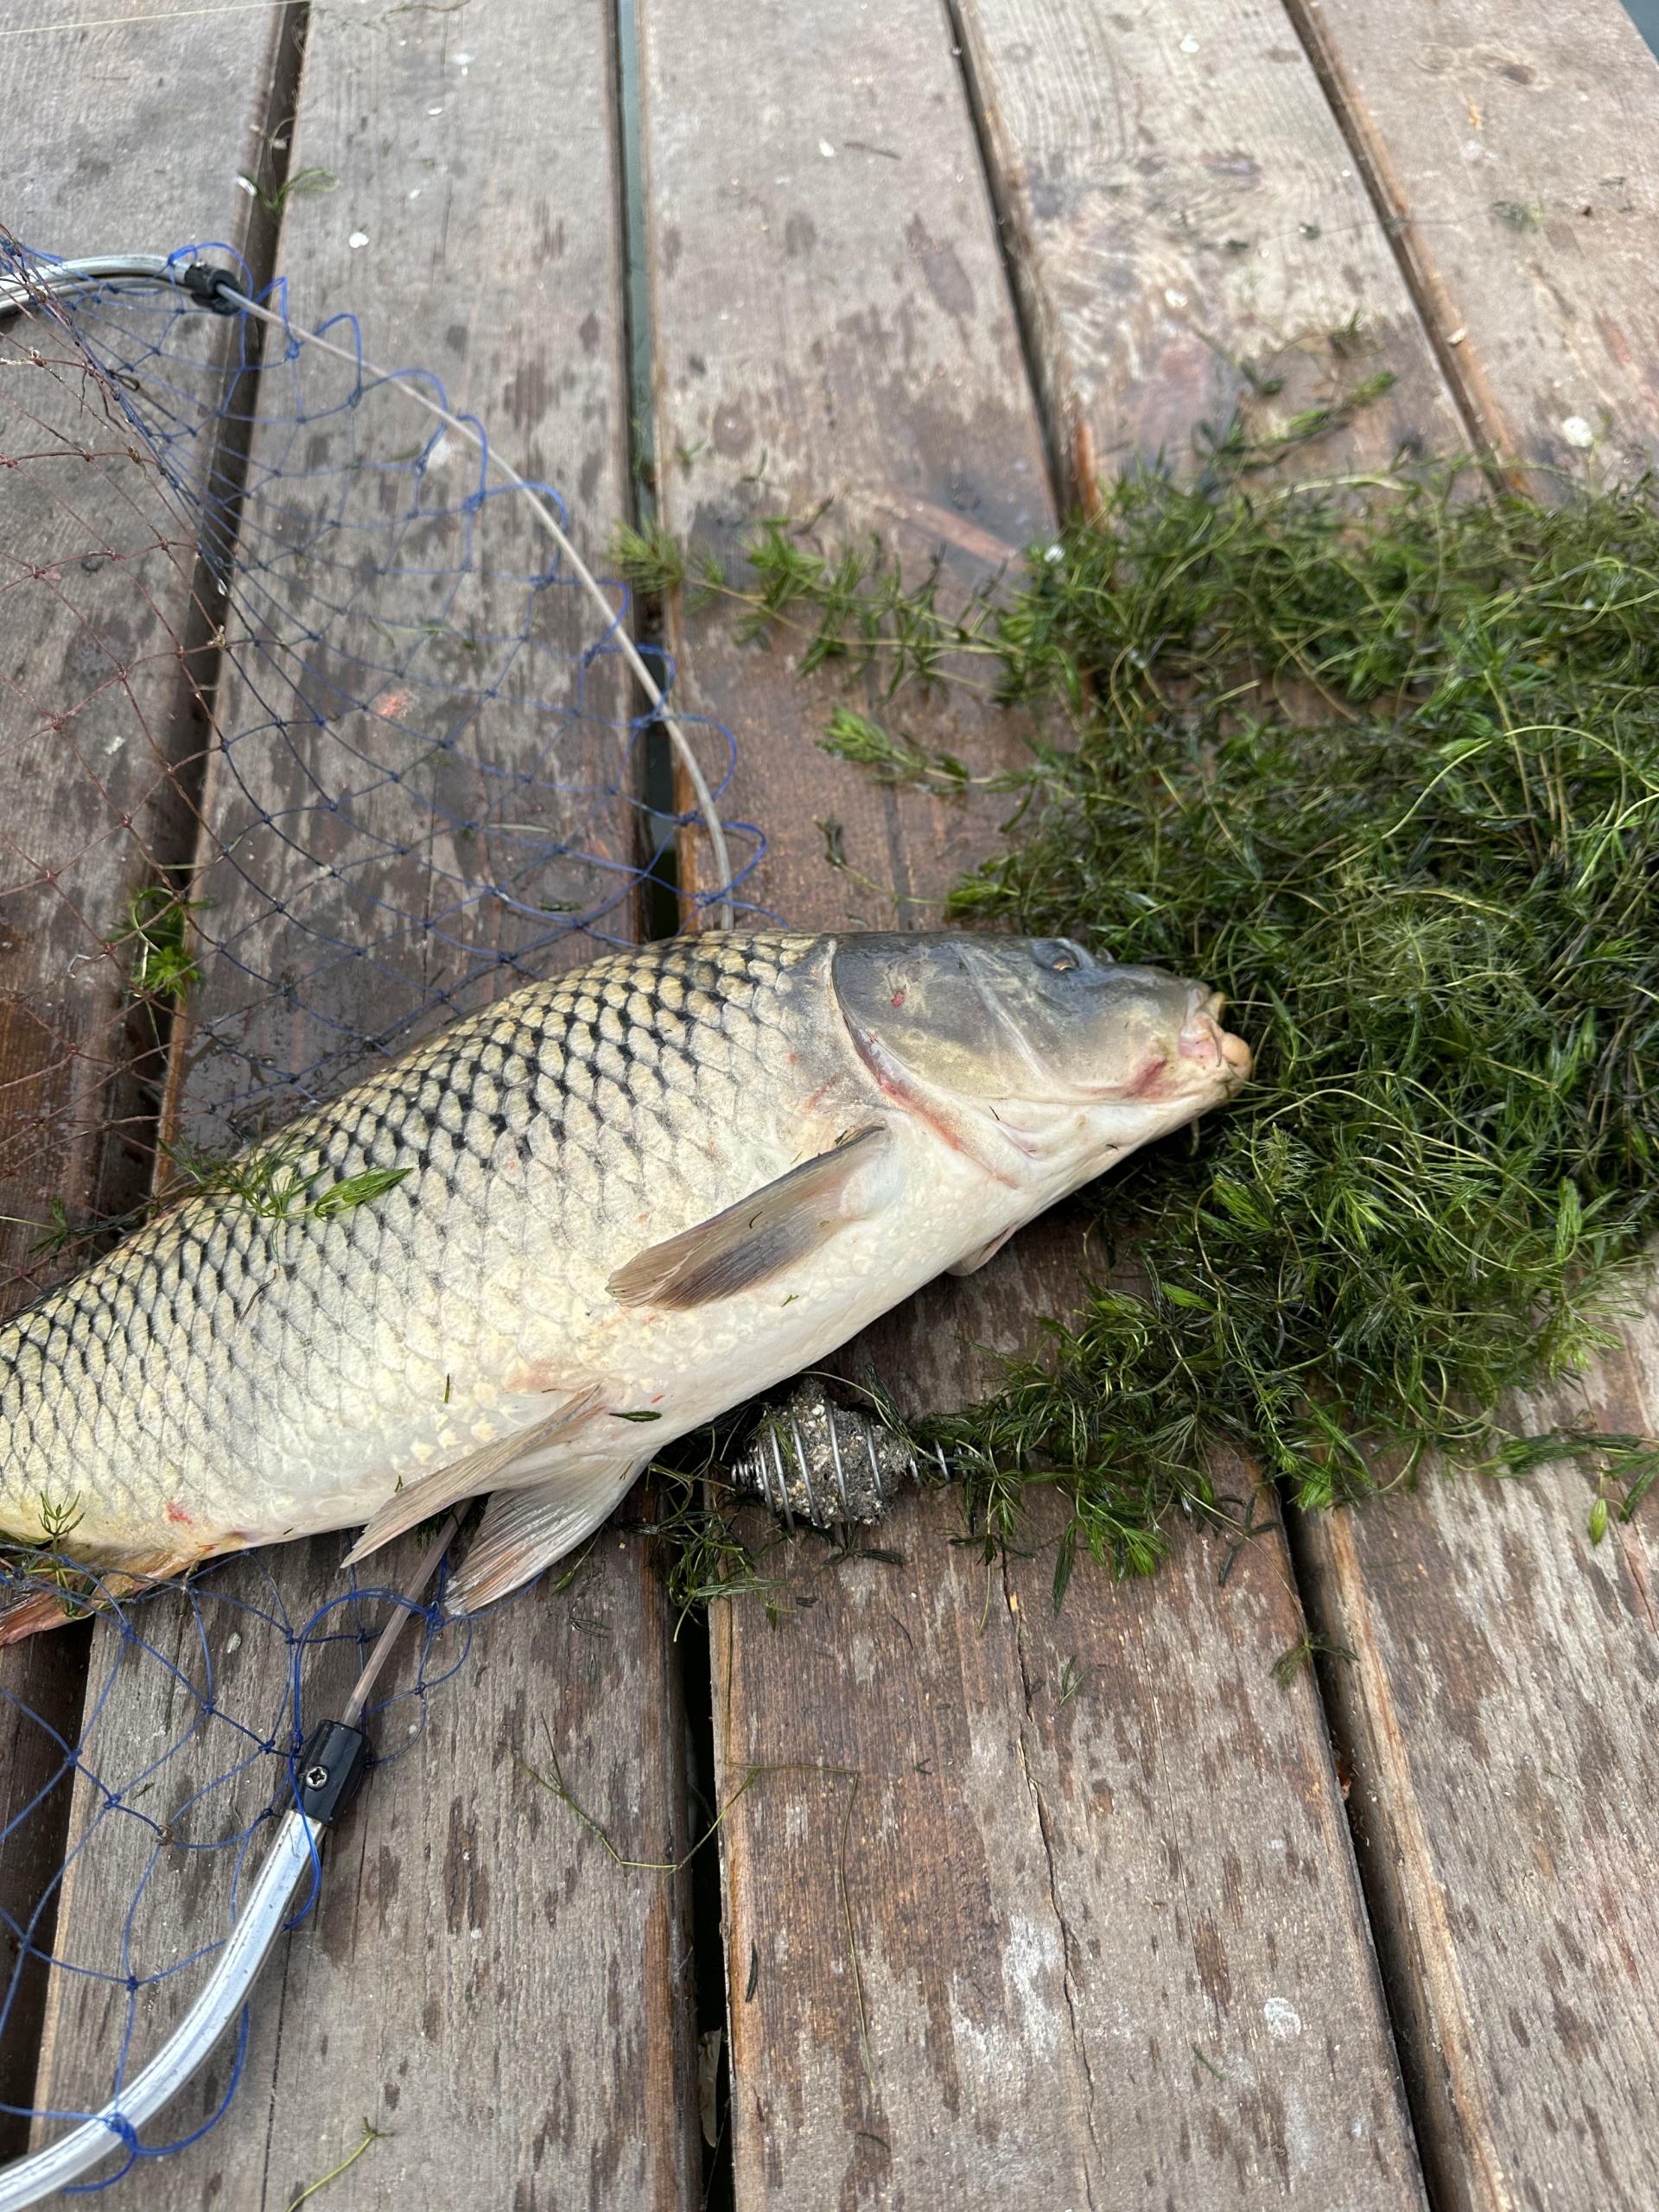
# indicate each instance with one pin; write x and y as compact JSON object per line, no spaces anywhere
{"x":625,"y":1200}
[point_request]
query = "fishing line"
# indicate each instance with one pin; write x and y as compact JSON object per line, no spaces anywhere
{"x":215,"y":291}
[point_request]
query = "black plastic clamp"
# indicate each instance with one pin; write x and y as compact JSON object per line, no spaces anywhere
{"x":329,"y":1768}
{"x":210,"y":288}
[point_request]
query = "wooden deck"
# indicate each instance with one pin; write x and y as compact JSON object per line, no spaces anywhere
{"x":1015,"y":1910}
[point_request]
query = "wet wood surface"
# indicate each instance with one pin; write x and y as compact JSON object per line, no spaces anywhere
{"x":482,"y":1983}
{"x":1512,"y":2093}
{"x":1061,"y":1910}
{"x":834,"y":339}
{"x":979,"y":1940}
{"x":96,"y":578}
{"x":481,"y":1980}
{"x":1193,"y":249}
{"x":1513,"y":147}
{"x":1498,"y":1715}
{"x":1498,"y":1712}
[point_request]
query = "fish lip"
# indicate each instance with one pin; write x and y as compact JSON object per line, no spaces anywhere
{"x":1209,"y":1044}
{"x":1241,"y":1062}
{"x":1216,"y":1069}
{"x":1204,"y":1041}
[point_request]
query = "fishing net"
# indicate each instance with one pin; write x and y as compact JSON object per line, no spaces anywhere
{"x":197,"y":1705}
{"x":315,"y":733}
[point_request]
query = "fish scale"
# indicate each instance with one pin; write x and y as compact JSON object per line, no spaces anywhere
{"x":595,"y":1075}
{"x":634,"y":1193}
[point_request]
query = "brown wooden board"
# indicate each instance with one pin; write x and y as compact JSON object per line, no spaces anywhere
{"x":1498,"y":1712}
{"x":1513,"y":147}
{"x":125,"y":123}
{"x":1467,"y":1595}
{"x":1187,"y":226}
{"x":482,"y":1978}
{"x":1500,"y":1715}
{"x":832,"y":326}
{"x":972,"y":1934}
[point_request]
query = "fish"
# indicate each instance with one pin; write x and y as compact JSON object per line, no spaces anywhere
{"x":521,"y":1259}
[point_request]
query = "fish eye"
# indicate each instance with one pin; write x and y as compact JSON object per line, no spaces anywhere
{"x":1058,"y":958}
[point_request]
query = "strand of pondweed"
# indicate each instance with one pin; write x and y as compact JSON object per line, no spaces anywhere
{"x":851,"y":607}
{"x":1383,"y":763}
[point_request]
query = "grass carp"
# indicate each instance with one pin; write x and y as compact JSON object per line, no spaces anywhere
{"x":565,"y":1230}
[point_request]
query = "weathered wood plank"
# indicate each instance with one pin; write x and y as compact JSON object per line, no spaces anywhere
{"x":481,"y":1978}
{"x":1512,"y":147}
{"x":354,"y":881}
{"x":960,"y":1915}
{"x":95,"y":599}
{"x":1188,"y":1820}
{"x":1498,"y":1713}
{"x":1181,"y":207}
{"x":832,"y":324}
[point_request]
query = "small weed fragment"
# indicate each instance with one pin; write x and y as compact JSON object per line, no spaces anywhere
{"x":355,"y":1190}
{"x":1521,"y":214}
{"x":279,"y":1181}
{"x":302,"y":180}
{"x":371,"y":2134}
{"x":1289,"y":1664}
{"x":45,"y":1560}
{"x":157,"y":924}
{"x":853,"y":737}
{"x":59,"y":1236}
{"x":59,"y":1520}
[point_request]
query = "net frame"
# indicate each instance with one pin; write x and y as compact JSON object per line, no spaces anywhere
{"x":210,"y":500}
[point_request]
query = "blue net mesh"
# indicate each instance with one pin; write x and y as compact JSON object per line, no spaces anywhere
{"x":424,"y":786}
{"x":199,"y":1701}
{"x":314,"y":741}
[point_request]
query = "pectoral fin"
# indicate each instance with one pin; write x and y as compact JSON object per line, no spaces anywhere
{"x":971,"y":1262}
{"x":525,"y":1530}
{"x":465,"y":1477}
{"x":779,"y":1223}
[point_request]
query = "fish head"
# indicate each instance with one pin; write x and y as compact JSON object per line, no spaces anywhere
{"x":1075,"y":1060}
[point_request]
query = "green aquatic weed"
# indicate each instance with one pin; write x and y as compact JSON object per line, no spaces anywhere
{"x":1380,"y":761}
{"x":1384,"y":768}
{"x":279,"y":1181}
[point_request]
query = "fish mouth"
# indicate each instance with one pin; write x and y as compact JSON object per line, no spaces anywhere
{"x":1201,"y":1056}
{"x":1206,"y":1043}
